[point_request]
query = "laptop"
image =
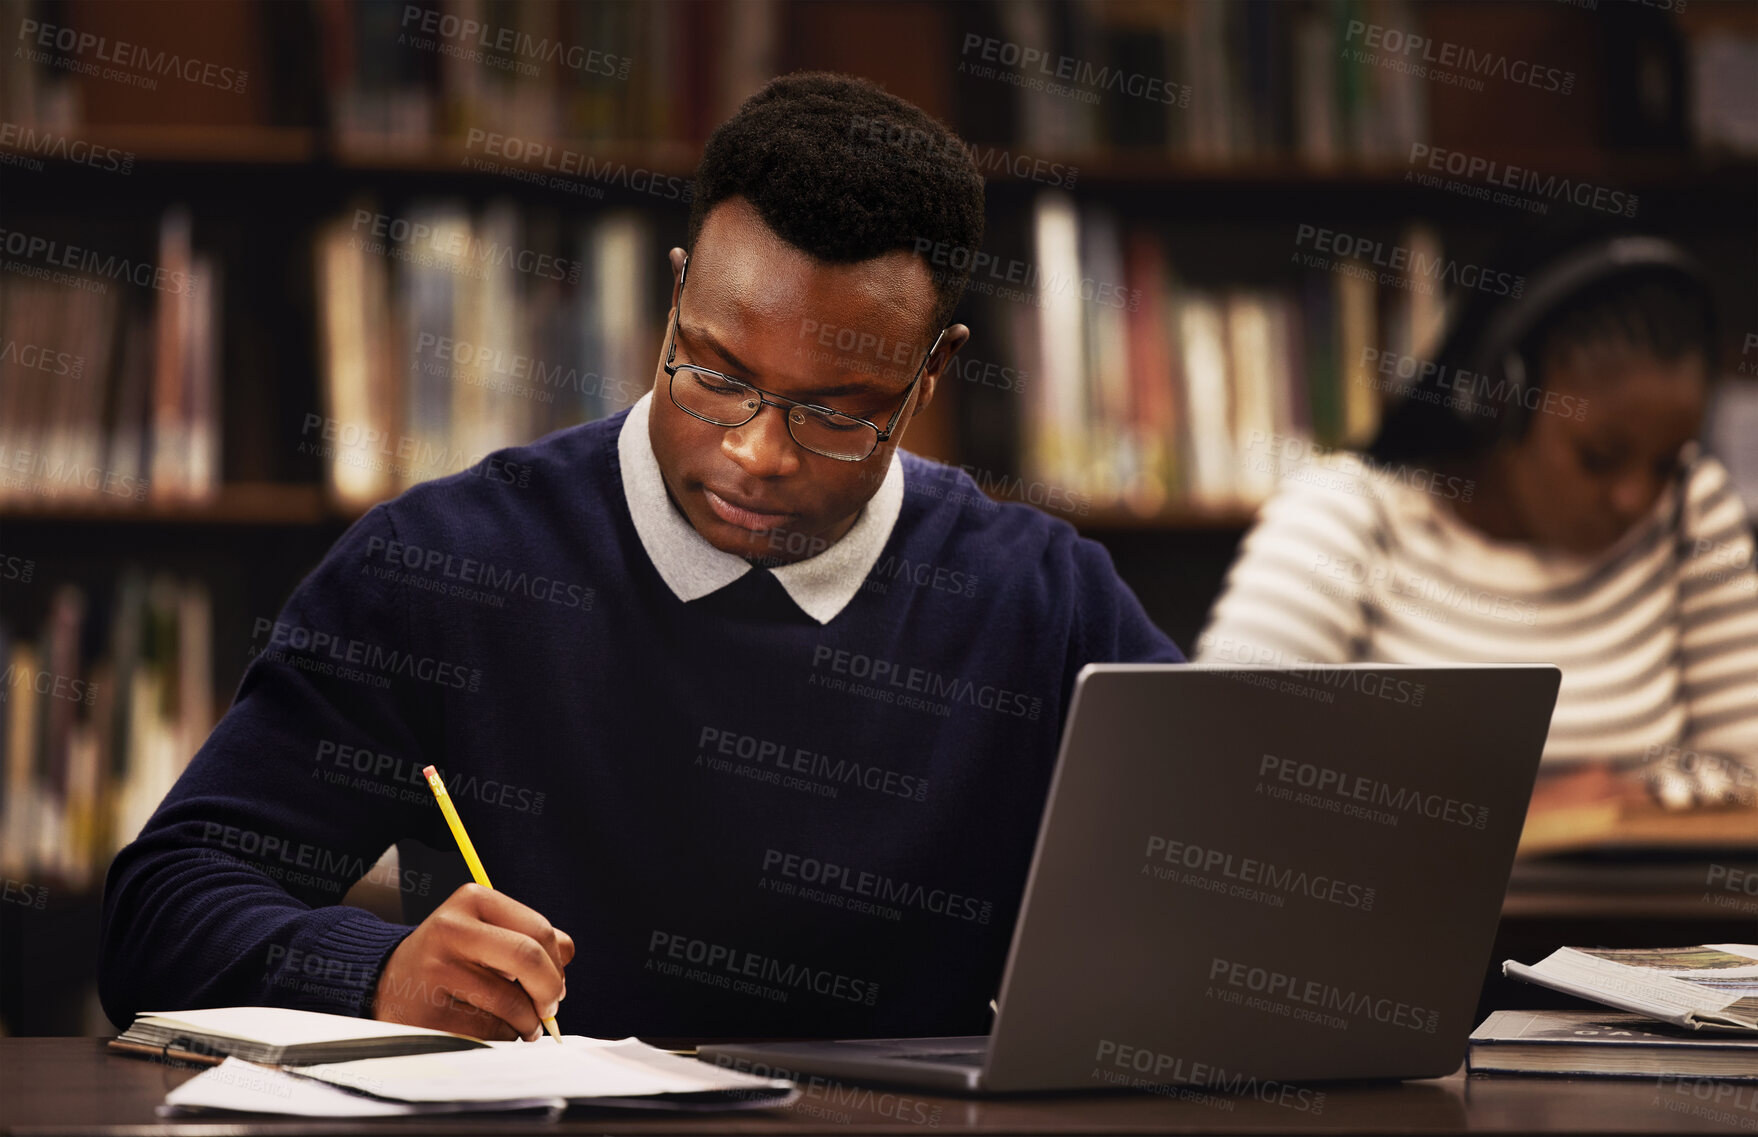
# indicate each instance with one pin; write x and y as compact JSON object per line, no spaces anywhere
{"x":1246,"y":876}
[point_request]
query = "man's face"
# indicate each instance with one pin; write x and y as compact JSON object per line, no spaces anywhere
{"x":761,"y":310}
{"x":1578,"y":486}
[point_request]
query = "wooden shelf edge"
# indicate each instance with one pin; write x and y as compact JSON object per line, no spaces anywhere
{"x":1149,"y":167}
{"x":226,"y":145}
{"x":566,"y":156}
{"x":244,"y":503}
{"x":247,"y":145}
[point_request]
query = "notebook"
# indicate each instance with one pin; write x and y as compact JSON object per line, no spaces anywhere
{"x":279,"y":1036}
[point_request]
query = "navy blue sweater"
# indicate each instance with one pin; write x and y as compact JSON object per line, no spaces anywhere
{"x":750,"y":823}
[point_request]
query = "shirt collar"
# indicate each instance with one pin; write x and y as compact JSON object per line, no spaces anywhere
{"x":822,"y":585}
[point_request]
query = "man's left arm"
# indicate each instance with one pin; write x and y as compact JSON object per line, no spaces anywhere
{"x":1110,"y":625}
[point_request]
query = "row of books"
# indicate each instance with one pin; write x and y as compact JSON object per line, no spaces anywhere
{"x":446,"y":334}
{"x":438,"y":348}
{"x":1210,"y":80}
{"x":1323,"y":81}
{"x":1213,"y":79}
{"x":406,"y":72}
{"x":383,"y":72}
{"x":1156,"y":391}
{"x":1328,"y":83}
{"x":92,"y":744}
{"x":109,"y":391}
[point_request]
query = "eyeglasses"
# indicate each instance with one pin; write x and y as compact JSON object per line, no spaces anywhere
{"x":725,"y":401}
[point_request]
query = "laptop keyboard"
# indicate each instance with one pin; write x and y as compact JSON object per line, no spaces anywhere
{"x":950,"y":1057}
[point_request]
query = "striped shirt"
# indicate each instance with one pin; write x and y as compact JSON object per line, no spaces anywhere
{"x":1657,"y":636}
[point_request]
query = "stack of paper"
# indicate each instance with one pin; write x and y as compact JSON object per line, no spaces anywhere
{"x":236,"y":1086}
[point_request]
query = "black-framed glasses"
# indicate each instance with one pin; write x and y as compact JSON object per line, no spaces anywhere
{"x":724,"y":400}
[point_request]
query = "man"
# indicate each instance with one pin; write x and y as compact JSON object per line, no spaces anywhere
{"x":750,"y":715}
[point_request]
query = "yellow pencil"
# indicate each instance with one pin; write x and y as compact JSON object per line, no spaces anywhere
{"x":469,"y":851}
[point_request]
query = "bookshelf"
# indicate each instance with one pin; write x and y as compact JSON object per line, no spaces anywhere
{"x":1197,"y":205}
{"x":310,"y":155}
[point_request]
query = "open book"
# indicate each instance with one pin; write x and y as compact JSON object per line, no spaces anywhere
{"x":1706,"y":987}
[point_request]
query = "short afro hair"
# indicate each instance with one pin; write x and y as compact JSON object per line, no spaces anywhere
{"x":845,"y":171}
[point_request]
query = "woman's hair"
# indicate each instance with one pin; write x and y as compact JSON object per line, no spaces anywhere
{"x":1630,"y":296}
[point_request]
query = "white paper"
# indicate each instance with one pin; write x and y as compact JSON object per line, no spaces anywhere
{"x":246,"y":1087}
{"x":578,"y":1069}
{"x":1685,"y":996}
{"x":1649,"y":985}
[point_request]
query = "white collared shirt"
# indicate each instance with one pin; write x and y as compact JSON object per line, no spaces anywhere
{"x":822,"y":585}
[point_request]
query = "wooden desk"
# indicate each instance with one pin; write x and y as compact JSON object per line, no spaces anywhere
{"x":73,"y":1085}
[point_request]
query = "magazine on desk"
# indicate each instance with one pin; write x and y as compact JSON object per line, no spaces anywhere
{"x":1608,"y":1044}
{"x":1710,"y":987}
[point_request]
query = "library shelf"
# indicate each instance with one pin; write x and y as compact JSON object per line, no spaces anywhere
{"x":237,"y":504}
{"x":315,"y":151}
{"x":171,"y":144}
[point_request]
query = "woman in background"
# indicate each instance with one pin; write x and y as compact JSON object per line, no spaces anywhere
{"x":1539,"y":496}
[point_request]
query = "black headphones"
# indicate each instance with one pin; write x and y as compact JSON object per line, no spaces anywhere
{"x":1497,"y":357}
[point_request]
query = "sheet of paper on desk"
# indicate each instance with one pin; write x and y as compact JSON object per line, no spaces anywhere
{"x":580,"y":1069}
{"x":236,"y":1086}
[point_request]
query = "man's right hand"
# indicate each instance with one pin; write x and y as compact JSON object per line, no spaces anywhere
{"x":477,"y":966}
